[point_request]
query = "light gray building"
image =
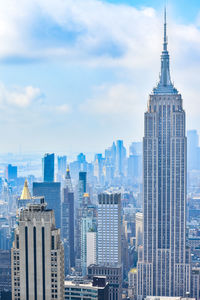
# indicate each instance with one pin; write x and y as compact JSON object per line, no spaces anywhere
{"x":163,"y":267}
{"x":109,"y":229}
{"x":37,"y":258}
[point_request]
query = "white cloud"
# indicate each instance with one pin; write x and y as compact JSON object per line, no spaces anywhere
{"x":101,"y":35}
{"x":119,"y":99}
{"x":63,"y":109}
{"x":18,"y":96}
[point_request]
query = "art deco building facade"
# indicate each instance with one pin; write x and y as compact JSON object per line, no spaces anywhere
{"x":37,"y":258}
{"x":163,"y":267}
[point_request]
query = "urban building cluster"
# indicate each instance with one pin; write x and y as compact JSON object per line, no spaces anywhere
{"x":124,"y":226}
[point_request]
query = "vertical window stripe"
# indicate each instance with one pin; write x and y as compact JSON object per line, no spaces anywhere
{"x":26,"y":261}
{"x":35,"y":260}
{"x":43,"y":262}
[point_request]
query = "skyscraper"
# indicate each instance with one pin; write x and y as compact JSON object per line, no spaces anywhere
{"x":37,"y":259}
{"x":120,"y":158}
{"x":11,"y":172}
{"x":86,"y":226}
{"x":109,"y":229}
{"x":67,"y":222}
{"x":91,"y":247}
{"x":48,"y":167}
{"x":62,"y":166}
{"x":163,"y":267}
{"x":82,"y":185}
{"x":51,"y":192}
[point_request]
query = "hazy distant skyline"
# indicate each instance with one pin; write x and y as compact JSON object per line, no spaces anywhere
{"x":75,"y":75}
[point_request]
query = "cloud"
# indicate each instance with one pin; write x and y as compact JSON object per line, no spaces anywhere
{"x":118,"y":100}
{"x":88,"y":32}
{"x":76,"y":29}
{"x":62,"y":109}
{"x":99,"y":36}
{"x":21,"y":97}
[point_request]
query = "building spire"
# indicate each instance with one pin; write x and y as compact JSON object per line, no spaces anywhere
{"x":165,"y":31}
{"x":165,"y":85}
{"x":68,"y":183}
{"x":26,"y":195}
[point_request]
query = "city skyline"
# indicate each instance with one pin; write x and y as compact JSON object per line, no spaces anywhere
{"x":100,"y":156}
{"x":43,"y":94}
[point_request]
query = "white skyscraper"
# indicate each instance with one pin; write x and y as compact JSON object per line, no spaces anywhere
{"x":91,"y":248}
{"x":109,"y":229}
{"x":163,"y":267}
{"x":37,"y":256}
{"x":86,"y":225}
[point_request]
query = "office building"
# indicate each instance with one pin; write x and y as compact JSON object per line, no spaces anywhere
{"x":98,"y":168}
{"x":11,"y":172}
{"x":37,"y":258}
{"x":164,"y":265}
{"x":62,"y":165}
{"x":109,"y":229}
{"x":86,"y":226}
{"x":5,"y":271}
{"x":82,"y":185}
{"x":48,"y":167}
{"x":139,"y":229}
{"x":114,"y":278}
{"x":84,"y":289}
{"x":52,"y":194}
{"x":91,"y":248}
{"x":135,"y":148}
{"x":5,"y":234}
{"x":67,"y":222}
{"x":195,"y":283}
{"x":132,"y":283}
{"x":120,"y":158}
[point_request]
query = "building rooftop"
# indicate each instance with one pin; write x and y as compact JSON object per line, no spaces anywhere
{"x":82,"y":284}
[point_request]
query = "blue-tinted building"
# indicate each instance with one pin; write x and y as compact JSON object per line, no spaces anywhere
{"x":11,"y":172}
{"x":62,"y":165}
{"x":48,"y":167}
{"x":51,"y":193}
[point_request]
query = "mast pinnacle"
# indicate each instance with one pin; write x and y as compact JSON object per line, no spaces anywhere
{"x":165,"y":30}
{"x":165,"y":85}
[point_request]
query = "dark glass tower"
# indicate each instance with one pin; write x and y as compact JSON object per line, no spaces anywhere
{"x":163,"y":267}
{"x":48,"y":167}
{"x":51,"y":192}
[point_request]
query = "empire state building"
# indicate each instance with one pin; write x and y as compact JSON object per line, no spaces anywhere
{"x":163,"y":264}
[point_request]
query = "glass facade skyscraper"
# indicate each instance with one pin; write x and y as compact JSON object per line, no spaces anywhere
{"x":48,"y":167}
{"x":52,"y":193}
{"x":163,"y":267}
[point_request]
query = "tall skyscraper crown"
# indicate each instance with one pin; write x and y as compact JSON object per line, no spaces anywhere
{"x":165,"y":85}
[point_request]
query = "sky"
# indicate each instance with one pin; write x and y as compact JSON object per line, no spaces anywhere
{"x":76,"y":74}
